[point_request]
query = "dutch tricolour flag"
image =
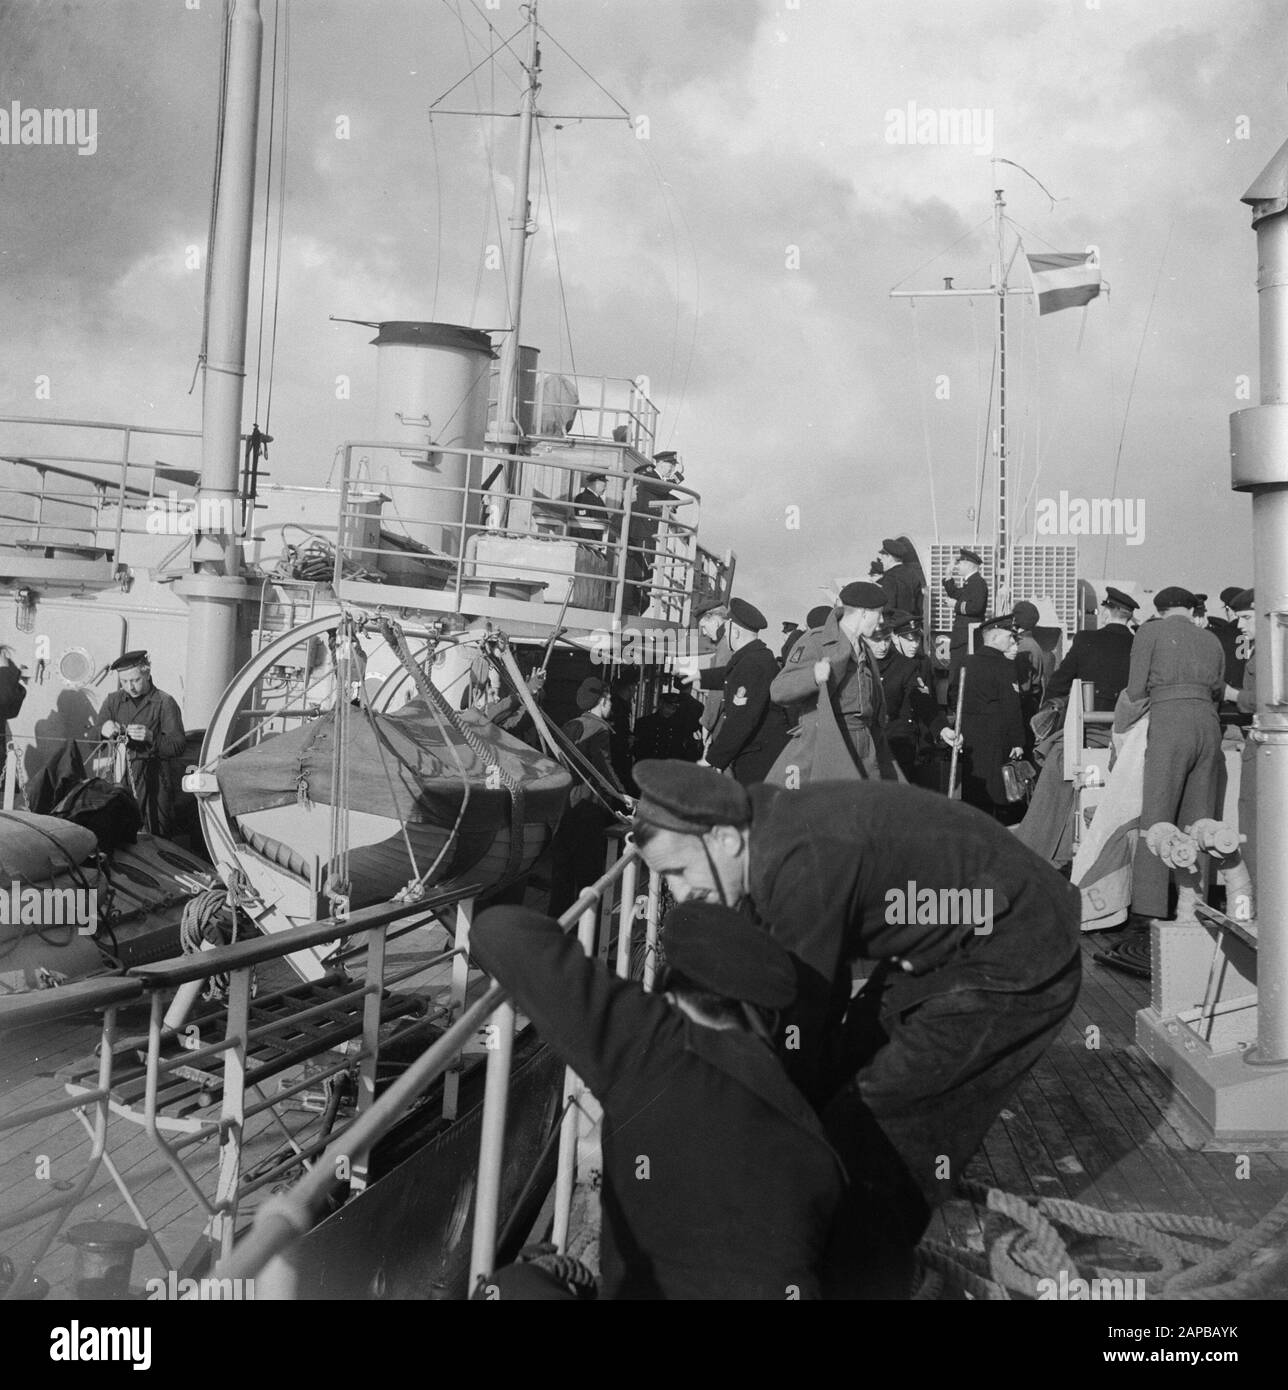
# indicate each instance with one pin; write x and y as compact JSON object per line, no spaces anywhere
{"x":1063,"y":280}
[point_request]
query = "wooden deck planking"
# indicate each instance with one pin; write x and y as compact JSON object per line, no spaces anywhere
{"x":1096,"y":1125}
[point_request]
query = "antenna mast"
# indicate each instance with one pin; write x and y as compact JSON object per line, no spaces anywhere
{"x":1000,"y":288}
{"x":508,"y":429}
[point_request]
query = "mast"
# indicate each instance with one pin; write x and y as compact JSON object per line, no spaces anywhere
{"x":1000,"y":288}
{"x":1001,"y":559}
{"x":508,"y":429}
{"x":215,"y":588}
{"x":1259,"y":465}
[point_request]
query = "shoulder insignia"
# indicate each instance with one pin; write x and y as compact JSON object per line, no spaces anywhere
{"x":797,"y":653}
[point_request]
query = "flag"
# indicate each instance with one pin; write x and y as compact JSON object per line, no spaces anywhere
{"x":1063,"y":280}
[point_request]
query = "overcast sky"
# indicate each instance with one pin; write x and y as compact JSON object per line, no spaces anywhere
{"x":786,"y":380}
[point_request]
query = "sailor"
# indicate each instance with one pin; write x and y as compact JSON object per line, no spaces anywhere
{"x":752,"y":730}
{"x":1228,"y":631}
{"x":792,"y":633}
{"x":992,"y":728}
{"x":13,"y":691}
{"x":1244,"y":699}
{"x":962,"y":1003}
{"x":1034,"y":665}
{"x":1179,"y":668}
{"x":577,"y":848}
{"x":846,"y":737}
{"x":712,"y":616}
{"x":902,"y":577}
{"x":969,"y":593}
{"x":150,"y":723}
{"x":588,"y":506}
{"x":924,"y":707}
{"x":899,"y":680}
{"x":1101,"y":656}
{"x":718,"y":1182}
{"x":668,"y":733}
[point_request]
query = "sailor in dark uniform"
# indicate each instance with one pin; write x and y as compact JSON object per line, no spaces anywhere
{"x":1235,"y":645}
{"x":1101,"y":656}
{"x":957,"y":1011}
{"x":669,"y":733}
{"x":752,"y":730}
{"x":992,"y":727}
{"x":966,"y":587}
{"x":589,"y":506}
{"x":844,"y":738}
{"x":718,"y":1181}
{"x":152,"y":726}
{"x":899,"y":684}
{"x":902,"y":577}
{"x":1180,"y":669}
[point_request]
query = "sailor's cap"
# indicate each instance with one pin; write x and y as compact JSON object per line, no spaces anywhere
{"x":721,"y":950}
{"x":1174,"y":597}
{"x":747,"y":615}
{"x":128,"y":661}
{"x":1122,"y":600}
{"x":675,"y":795}
{"x":861,"y":594}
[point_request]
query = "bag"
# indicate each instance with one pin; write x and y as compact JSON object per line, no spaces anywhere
{"x":1018,"y":779}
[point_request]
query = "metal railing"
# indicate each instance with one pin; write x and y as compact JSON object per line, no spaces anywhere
{"x":97,"y":474}
{"x":264,"y":1254}
{"x":464,"y":521}
{"x":170,"y":1056}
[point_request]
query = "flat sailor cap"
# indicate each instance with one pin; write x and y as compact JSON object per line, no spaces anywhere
{"x":725,"y":952}
{"x":861,"y":594}
{"x":1025,"y":614}
{"x":1174,"y":597}
{"x":1228,"y":594}
{"x":896,"y":619}
{"x":747,"y":615}
{"x":675,"y":795}
{"x":1243,"y":601}
{"x":816,"y":617}
{"x":1123,"y":600}
{"x":129,"y":660}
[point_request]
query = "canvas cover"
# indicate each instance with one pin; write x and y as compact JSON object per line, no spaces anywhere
{"x":418,"y":780}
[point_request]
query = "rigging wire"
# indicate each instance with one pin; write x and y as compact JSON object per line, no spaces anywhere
{"x":969,"y":232}
{"x":284,"y":25}
{"x":281,"y":207}
{"x":542,"y":29}
{"x":554,"y":236}
{"x":1131,"y":387}
{"x":438,"y":219}
{"x":925,"y":420}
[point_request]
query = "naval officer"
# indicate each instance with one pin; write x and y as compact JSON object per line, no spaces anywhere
{"x":969,"y":593}
{"x":152,"y":726}
{"x":751,"y":730}
{"x":956,"y":1012}
{"x":718,"y":1181}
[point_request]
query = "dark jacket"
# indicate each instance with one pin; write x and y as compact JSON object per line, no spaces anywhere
{"x":970,"y":604}
{"x":1102,"y":656}
{"x":905,"y":587}
{"x":752,"y":730}
{"x":991,"y":720}
{"x":153,"y":763}
{"x":656,"y":736}
{"x":718,"y":1182}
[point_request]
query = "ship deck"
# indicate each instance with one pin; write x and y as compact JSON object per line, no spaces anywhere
{"x":1099,"y":1126}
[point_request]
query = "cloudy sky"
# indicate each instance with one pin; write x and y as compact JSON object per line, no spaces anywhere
{"x":741,"y":256}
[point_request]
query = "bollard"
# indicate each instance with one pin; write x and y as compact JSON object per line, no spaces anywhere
{"x":104,"y":1257}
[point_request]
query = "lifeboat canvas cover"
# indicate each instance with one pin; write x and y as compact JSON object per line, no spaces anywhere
{"x":418,"y":781}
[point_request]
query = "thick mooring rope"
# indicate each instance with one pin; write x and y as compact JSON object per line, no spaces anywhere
{"x":1023,"y":1259}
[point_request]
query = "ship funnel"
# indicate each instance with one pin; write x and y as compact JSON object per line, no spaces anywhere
{"x":431,"y":397}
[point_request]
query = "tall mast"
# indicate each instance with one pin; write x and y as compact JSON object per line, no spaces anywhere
{"x":214,"y":588}
{"x":1000,"y":288}
{"x":1001,"y":562}
{"x":507,"y":424}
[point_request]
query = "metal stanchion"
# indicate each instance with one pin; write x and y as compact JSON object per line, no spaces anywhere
{"x":492,"y":1144}
{"x":567,"y":1173}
